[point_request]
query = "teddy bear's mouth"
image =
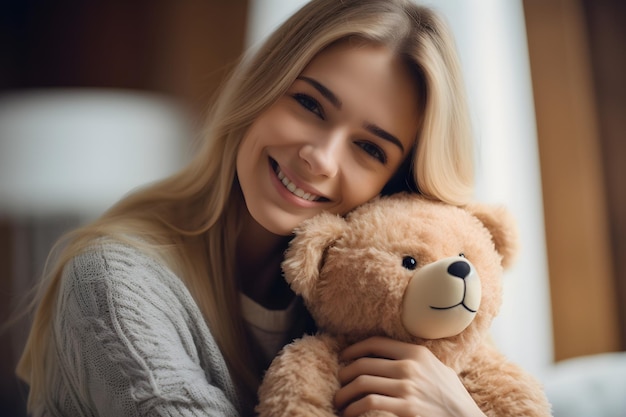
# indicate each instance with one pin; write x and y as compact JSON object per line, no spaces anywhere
{"x":462,"y":304}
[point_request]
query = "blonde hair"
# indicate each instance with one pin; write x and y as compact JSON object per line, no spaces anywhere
{"x":189,"y":219}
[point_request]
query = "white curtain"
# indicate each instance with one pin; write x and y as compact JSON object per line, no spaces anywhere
{"x":491,"y":39}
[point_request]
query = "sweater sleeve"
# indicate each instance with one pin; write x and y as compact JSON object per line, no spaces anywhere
{"x":132,"y":342}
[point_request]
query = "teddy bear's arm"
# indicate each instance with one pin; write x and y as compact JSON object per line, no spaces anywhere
{"x":302,"y":380}
{"x":501,"y":388}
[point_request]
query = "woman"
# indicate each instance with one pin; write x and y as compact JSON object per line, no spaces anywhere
{"x":173,"y":302}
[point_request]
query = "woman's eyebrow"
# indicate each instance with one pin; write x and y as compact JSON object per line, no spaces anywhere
{"x":334,"y":100}
{"x":383,"y":134}
{"x":330,"y":96}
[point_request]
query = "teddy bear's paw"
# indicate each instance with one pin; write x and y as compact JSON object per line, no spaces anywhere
{"x":302,"y":380}
{"x":295,"y":410}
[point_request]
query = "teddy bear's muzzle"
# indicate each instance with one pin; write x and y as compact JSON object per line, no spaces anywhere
{"x":441,"y":299}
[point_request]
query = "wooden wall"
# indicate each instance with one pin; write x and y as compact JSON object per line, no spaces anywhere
{"x":606,"y":21}
{"x":577,"y":65}
{"x":181,"y":49}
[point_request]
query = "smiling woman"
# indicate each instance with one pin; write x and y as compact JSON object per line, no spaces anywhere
{"x":320,"y":146}
{"x":173,"y":301}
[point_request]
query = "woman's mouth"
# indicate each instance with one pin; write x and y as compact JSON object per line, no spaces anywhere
{"x":292,"y":188}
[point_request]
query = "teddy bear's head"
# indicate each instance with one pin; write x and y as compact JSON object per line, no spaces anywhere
{"x":405,"y":267}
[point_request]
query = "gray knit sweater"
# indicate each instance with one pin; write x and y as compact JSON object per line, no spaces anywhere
{"x":132,"y":342}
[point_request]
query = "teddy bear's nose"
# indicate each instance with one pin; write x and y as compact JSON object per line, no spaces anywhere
{"x":460,"y":269}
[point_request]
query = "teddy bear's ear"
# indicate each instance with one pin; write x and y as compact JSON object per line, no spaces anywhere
{"x":502,"y":226}
{"x":303,"y":258}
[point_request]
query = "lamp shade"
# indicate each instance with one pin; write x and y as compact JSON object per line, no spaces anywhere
{"x":80,"y":150}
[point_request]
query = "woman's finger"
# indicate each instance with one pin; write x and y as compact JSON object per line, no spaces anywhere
{"x":387,"y":368}
{"x":383,"y":347}
{"x":374,"y":387}
{"x":398,"y":407}
{"x":402,"y":378}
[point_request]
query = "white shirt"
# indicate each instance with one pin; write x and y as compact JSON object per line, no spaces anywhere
{"x":271,"y":329}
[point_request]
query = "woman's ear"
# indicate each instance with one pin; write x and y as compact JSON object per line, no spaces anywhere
{"x":304,"y":257}
{"x":501,"y":224}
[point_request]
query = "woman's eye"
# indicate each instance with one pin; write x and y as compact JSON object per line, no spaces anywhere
{"x":309,"y":103}
{"x":374,"y":151}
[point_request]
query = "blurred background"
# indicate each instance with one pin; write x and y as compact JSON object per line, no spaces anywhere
{"x":99,"y":97}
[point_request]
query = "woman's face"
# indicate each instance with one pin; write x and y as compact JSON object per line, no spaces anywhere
{"x":333,"y":140}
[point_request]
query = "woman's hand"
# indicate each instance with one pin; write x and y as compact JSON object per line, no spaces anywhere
{"x":402,"y":378}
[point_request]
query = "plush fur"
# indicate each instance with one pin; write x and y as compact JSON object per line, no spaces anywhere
{"x":352,"y":274}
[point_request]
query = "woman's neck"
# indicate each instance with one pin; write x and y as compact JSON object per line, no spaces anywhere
{"x":258,"y":256}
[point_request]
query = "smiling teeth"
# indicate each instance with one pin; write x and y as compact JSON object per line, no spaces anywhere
{"x":295,"y":190}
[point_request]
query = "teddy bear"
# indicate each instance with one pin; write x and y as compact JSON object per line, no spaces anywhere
{"x":408,"y":268}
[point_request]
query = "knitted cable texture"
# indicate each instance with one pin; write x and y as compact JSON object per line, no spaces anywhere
{"x":131,"y":341}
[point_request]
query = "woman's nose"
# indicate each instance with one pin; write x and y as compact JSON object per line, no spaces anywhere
{"x":322,"y":157}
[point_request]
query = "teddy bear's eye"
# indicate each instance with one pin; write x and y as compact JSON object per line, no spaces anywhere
{"x":409,"y":263}
{"x":462,"y":255}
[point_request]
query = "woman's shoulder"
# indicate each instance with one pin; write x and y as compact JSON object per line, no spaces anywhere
{"x":113,"y":271}
{"x":108,"y":260}
{"x":124,"y":292}
{"x":124,"y":316}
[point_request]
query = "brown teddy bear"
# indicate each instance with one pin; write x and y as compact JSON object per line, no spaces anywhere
{"x":407,"y":268}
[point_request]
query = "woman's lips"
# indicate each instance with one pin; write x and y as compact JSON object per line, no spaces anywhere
{"x":293,"y":188}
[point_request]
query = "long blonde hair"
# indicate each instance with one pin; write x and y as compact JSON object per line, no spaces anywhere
{"x":189,"y":219}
